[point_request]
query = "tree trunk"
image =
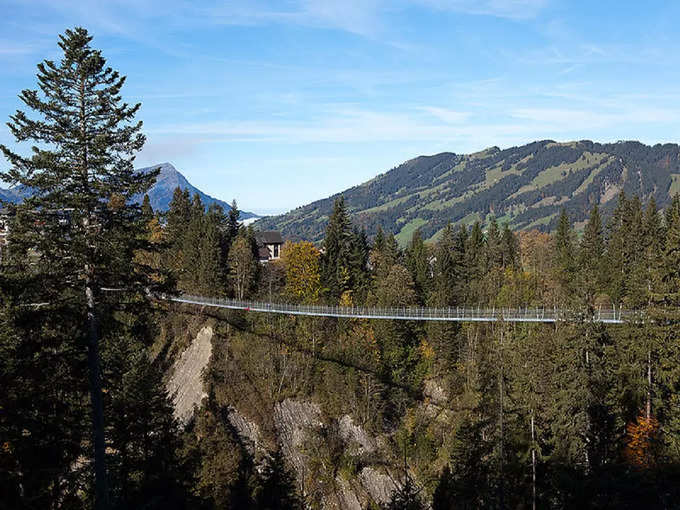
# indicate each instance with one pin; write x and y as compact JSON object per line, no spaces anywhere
{"x":533,"y":463}
{"x":649,"y":384}
{"x":500,"y":419}
{"x":101,"y":482}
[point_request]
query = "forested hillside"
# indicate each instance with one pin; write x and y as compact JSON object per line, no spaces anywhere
{"x":524,"y":186}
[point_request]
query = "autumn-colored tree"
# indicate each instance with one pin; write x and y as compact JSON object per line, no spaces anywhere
{"x":303,"y":276}
{"x":640,"y":439}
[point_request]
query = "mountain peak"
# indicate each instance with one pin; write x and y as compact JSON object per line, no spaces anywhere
{"x":160,"y":193}
{"x":169,"y":178}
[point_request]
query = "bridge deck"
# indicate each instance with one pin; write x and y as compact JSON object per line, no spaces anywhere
{"x":448,"y":314}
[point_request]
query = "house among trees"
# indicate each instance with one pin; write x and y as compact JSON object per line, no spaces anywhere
{"x":268,"y":245}
{"x":4,"y":229}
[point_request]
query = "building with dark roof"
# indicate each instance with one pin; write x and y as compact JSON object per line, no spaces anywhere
{"x":268,"y":245}
{"x":4,"y":228}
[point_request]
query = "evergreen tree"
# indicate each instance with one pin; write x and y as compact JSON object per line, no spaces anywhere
{"x":276,"y":490}
{"x":465,"y":484}
{"x":653,"y":248}
{"x":177,"y":220}
{"x":147,"y":210}
{"x":418,"y":264}
{"x":358,"y":262}
{"x":668,"y":214}
{"x":509,"y":248}
{"x":448,"y":270}
{"x":448,"y":289}
{"x":43,"y":412}
{"x":211,"y":264}
{"x":190,"y":278}
{"x":379,"y":241}
{"x":397,"y":339}
{"x":462,"y":246}
{"x":565,"y":254}
{"x":590,"y":259}
{"x":233,"y":225}
{"x":146,"y":469}
{"x":474,"y":262}
{"x":583,"y":417}
{"x":494,"y":250}
{"x":85,"y":185}
{"x":406,"y":497}
{"x":241,"y":490}
{"x":619,"y":233}
{"x":178,"y":215}
{"x":335,"y":264}
{"x":443,"y":497}
{"x":636,"y":267}
{"x":671,"y":258}
{"x":223,"y":472}
{"x":384,"y":256}
{"x":665,"y":385}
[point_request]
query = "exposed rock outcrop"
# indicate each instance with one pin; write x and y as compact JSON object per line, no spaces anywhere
{"x":352,"y":433}
{"x":292,"y":420}
{"x":379,"y":485}
{"x":186,"y":383}
{"x":248,"y":432}
{"x":297,"y":421}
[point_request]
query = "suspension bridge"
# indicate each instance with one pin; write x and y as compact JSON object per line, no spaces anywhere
{"x":443,"y":314}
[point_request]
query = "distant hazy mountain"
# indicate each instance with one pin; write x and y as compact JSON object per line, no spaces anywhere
{"x":160,"y":194}
{"x":12,"y":195}
{"x":169,"y":178}
{"x":524,"y":186}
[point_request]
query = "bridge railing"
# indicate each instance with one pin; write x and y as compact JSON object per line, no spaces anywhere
{"x":459,"y":314}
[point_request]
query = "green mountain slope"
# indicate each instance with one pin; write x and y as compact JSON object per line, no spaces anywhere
{"x":525,"y":186}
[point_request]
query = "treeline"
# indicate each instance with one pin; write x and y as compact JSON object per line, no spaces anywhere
{"x":551,"y":415}
{"x":622,"y":264}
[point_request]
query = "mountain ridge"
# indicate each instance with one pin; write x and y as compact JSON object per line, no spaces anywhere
{"x":525,"y":186}
{"x":160,"y":194}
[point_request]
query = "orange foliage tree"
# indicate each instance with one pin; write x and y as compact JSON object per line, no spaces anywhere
{"x":640,"y":438}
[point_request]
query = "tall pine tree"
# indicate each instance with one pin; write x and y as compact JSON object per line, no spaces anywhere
{"x":81,"y":169}
{"x":335,"y":263}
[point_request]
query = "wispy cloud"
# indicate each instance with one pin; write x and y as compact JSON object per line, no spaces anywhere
{"x":446,"y":115}
{"x":512,"y":9}
{"x":343,"y":124}
{"x":349,"y":126}
{"x":8,"y":48}
{"x":367,"y":18}
{"x":569,"y":119}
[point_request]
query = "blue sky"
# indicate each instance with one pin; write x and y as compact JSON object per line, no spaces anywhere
{"x":280,"y":103}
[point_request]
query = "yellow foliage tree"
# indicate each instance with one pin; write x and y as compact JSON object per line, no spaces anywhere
{"x":640,"y":438}
{"x":303,"y":275}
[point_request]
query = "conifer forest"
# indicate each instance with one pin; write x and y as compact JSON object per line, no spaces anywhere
{"x":311,"y":412}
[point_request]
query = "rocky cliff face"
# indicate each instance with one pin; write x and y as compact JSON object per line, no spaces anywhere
{"x":359,"y":475}
{"x":186,"y":383}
